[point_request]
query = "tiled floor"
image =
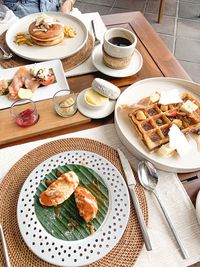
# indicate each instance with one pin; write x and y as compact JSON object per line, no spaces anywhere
{"x":180,"y":28}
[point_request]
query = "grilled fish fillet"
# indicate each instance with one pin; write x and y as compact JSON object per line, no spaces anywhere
{"x":86,"y":203}
{"x":60,"y":190}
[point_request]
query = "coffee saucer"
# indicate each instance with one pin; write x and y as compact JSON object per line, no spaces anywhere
{"x":94,"y":113}
{"x":134,"y":66}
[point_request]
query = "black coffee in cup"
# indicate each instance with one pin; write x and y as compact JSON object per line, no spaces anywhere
{"x":120,"y":41}
{"x":118,"y":47}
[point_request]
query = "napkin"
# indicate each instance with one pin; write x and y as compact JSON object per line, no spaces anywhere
{"x":165,"y":251}
{"x":87,"y":66}
{"x":7,"y":18}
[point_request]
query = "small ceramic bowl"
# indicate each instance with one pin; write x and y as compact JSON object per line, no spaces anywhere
{"x":98,"y":101}
{"x":114,"y":48}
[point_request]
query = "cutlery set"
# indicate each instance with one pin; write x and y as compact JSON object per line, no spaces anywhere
{"x":130,"y":178}
{"x":148,"y":178}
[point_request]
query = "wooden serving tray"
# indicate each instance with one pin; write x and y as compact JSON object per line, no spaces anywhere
{"x":48,"y":121}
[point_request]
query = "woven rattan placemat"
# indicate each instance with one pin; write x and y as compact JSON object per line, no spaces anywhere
{"x":68,"y":63}
{"x":124,"y":253}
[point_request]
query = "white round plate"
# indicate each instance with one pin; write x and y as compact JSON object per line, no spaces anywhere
{"x":131,"y":139}
{"x":134,"y":66}
{"x":91,"y":113}
{"x":84,"y":251}
{"x":66,"y":48}
{"x":198,"y":207}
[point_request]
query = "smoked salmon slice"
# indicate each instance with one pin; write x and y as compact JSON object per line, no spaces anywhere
{"x":16,"y":83}
{"x":3,"y":86}
{"x":23,"y":77}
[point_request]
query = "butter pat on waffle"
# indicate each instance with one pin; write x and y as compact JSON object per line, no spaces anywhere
{"x":153,"y":120}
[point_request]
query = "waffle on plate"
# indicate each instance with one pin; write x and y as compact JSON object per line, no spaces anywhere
{"x":153,"y":120}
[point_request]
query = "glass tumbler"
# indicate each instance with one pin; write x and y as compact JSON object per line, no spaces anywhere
{"x":24,"y":112}
{"x":65,"y":103}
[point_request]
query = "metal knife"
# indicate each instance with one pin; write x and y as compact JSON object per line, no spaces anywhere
{"x":130,"y":178}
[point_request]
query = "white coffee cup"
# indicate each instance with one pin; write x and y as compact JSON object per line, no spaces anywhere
{"x":123,"y":50}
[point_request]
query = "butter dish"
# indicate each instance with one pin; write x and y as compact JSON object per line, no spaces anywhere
{"x":94,"y":113}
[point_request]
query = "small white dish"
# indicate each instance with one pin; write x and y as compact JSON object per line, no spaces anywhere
{"x":198,"y":207}
{"x":134,"y":66}
{"x":94,"y":113}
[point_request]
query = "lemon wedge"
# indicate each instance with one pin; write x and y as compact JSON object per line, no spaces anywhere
{"x":25,"y":93}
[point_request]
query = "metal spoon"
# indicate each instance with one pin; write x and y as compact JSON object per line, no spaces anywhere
{"x":96,"y":40}
{"x":6,"y":55}
{"x":149,"y":179}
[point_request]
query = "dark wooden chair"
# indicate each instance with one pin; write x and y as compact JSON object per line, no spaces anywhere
{"x":161,"y":8}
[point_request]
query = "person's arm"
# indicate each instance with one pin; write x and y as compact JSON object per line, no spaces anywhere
{"x":67,"y":6}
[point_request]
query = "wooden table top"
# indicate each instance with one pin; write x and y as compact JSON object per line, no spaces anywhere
{"x":158,"y":62}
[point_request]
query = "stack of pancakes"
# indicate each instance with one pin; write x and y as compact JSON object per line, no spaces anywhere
{"x":46,"y":34}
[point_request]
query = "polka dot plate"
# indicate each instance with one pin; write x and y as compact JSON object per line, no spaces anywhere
{"x":91,"y":248}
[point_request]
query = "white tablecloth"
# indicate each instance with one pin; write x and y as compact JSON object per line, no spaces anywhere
{"x":165,"y":251}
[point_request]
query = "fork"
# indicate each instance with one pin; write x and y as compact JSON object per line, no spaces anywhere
{"x":5,"y":251}
{"x":6,"y":55}
{"x":96,"y":40}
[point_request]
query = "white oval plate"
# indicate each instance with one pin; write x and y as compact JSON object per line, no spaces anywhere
{"x":131,"y":139}
{"x":84,"y":251}
{"x":91,"y":113}
{"x":134,"y":66}
{"x":66,"y":48}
